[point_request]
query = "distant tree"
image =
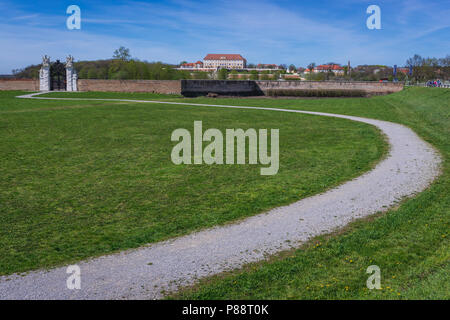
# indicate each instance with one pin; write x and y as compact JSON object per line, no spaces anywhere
{"x":132,"y":69}
{"x":30,"y":72}
{"x":102,"y":73}
{"x":201,"y":75}
{"x":292,"y":68}
{"x":83,"y":74}
{"x":316,"y":76}
{"x":330,"y":74}
{"x":445,"y":62}
{"x":17,"y":71}
{"x":223,"y":74}
{"x":254,"y":75}
{"x":329,"y":70}
{"x":415,"y":61}
{"x":420,"y":68}
{"x":122,"y":54}
{"x":92,"y":74}
{"x":234,"y":75}
{"x":275,"y":75}
{"x":311,"y":66}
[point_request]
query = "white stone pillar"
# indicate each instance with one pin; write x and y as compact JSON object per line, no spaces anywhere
{"x":71,"y":75}
{"x":75,"y":81}
{"x":69,"y":79}
{"x":44,"y":74}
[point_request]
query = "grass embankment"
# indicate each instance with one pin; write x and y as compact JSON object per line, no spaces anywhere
{"x":85,"y":178}
{"x":409,"y":243}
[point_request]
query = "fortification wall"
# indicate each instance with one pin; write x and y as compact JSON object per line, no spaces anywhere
{"x":369,"y":87}
{"x":192,"y":88}
{"x":19,"y":84}
{"x":156,"y":86}
{"x":254,"y":88}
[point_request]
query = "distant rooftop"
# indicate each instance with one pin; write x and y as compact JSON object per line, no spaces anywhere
{"x":329,"y":67}
{"x":226,"y":56}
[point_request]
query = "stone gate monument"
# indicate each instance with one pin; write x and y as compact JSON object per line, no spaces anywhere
{"x":45,"y":75}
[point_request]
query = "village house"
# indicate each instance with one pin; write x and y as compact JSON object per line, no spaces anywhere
{"x":334,"y":68}
{"x":193,"y":65}
{"x":267,"y":66}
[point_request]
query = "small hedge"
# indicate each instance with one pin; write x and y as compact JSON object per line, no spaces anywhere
{"x":315,"y":93}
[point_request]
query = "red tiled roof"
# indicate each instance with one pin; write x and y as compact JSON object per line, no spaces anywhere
{"x":213,"y":56}
{"x":193,"y":64}
{"x":329,"y":67}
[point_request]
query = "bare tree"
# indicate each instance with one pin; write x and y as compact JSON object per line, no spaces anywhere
{"x":415,"y":61}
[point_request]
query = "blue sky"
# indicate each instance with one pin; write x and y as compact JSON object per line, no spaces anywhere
{"x":263,"y":31}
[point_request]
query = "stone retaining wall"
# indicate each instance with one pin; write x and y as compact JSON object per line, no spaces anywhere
{"x":255,"y":88}
{"x":203,"y":87}
{"x":156,"y":86}
{"x":19,"y":84}
{"x":192,"y":88}
{"x":369,"y":87}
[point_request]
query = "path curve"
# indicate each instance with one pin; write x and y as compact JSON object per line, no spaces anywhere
{"x":410,"y":167}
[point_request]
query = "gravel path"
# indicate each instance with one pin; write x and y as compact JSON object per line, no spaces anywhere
{"x":143,"y":273}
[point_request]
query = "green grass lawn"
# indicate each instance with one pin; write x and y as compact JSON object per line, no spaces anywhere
{"x":85,"y":178}
{"x":409,"y":243}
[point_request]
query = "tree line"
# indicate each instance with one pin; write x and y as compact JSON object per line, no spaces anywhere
{"x":123,"y":67}
{"x":116,"y":69}
{"x":425,"y":69}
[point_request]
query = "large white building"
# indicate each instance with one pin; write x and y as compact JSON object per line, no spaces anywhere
{"x":227,"y":61}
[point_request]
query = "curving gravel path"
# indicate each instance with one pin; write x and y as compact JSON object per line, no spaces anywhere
{"x":143,"y":273}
